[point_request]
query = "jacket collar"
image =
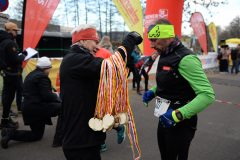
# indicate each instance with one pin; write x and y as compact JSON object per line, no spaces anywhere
{"x":80,"y":49}
{"x":172,"y":46}
{"x":5,"y":35}
{"x":39,"y":69}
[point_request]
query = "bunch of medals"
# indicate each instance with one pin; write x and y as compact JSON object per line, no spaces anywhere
{"x":112,"y":108}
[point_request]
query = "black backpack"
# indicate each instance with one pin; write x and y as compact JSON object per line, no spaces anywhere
{"x":234,"y":54}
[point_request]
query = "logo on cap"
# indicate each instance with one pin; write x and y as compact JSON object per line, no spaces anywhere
{"x":96,"y":35}
{"x":163,"y":13}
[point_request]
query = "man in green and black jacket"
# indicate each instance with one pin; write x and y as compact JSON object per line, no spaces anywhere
{"x":182,"y":88}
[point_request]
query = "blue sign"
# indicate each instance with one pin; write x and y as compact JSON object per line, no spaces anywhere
{"x":3,"y":5}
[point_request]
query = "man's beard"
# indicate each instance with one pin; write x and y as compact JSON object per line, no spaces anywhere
{"x":159,"y":51}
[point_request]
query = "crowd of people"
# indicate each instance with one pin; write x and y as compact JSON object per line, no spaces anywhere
{"x":182,"y":88}
{"x":223,"y":58}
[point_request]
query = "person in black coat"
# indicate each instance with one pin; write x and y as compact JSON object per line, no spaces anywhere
{"x":39,"y":105}
{"x":79,"y":82}
{"x":132,"y":68}
{"x":10,"y":63}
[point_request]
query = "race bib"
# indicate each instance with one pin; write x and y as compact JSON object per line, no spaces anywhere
{"x":161,"y":106}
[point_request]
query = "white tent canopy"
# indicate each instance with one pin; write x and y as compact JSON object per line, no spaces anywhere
{"x":232,"y":45}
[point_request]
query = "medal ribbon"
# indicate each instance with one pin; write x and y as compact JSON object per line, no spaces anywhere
{"x":113,"y":95}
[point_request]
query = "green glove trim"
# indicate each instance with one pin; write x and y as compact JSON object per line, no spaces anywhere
{"x":146,"y":104}
{"x":154,"y":89}
{"x":161,"y":31}
{"x":175,"y":117}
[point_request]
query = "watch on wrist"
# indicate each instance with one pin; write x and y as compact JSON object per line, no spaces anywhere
{"x":179,"y":115}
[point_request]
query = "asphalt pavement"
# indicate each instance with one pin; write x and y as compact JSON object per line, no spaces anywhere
{"x":217,"y":137}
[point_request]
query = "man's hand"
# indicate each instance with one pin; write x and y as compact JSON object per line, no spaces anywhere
{"x":137,"y":36}
{"x":148,"y":96}
{"x":25,"y":53}
{"x":56,"y":93}
{"x":169,"y":119}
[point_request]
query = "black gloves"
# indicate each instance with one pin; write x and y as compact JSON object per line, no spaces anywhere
{"x":25,"y":53}
{"x":132,"y":39}
{"x":137,"y":37}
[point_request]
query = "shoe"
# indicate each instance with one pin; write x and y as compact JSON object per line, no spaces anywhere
{"x":13,"y":122}
{"x":139,"y":92}
{"x":5,"y":123}
{"x":121,"y":134}
{"x":6,"y":137}
{"x":146,"y":89}
{"x":57,"y":143}
{"x":4,"y":132}
{"x":134,"y":88}
{"x":103,"y":147}
{"x":7,"y":131}
{"x":12,"y":114}
{"x":19,"y":111}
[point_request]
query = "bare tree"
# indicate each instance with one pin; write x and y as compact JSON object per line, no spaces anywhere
{"x":234,"y":27}
{"x":187,"y":11}
{"x":113,"y":21}
{"x":86,"y":11}
{"x":77,"y":11}
{"x":66,"y":11}
{"x":99,"y":14}
{"x":17,"y":10}
{"x":231,"y":31}
{"x":106,"y":20}
{"x":187,"y":6}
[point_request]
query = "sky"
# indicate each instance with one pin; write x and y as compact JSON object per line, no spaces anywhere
{"x":223,"y":14}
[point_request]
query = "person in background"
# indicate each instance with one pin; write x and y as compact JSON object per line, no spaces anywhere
{"x":224,"y":60}
{"x":132,"y":68}
{"x":105,"y":43}
{"x":227,"y":67}
{"x":18,"y":95}
{"x":39,"y":105}
{"x":133,"y":60}
{"x":144,"y":62}
{"x":104,"y":53}
{"x":234,"y":59}
{"x":12,"y":61}
{"x":136,"y":54}
{"x":238,"y":59}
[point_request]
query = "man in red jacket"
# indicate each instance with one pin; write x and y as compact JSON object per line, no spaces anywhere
{"x":144,"y":62}
{"x":103,"y":53}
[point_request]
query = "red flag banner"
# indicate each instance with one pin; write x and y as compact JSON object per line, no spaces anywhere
{"x":169,"y":9}
{"x":198,"y":25}
{"x":37,"y":16}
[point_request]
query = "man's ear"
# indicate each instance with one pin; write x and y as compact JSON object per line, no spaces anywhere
{"x":81,"y":42}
